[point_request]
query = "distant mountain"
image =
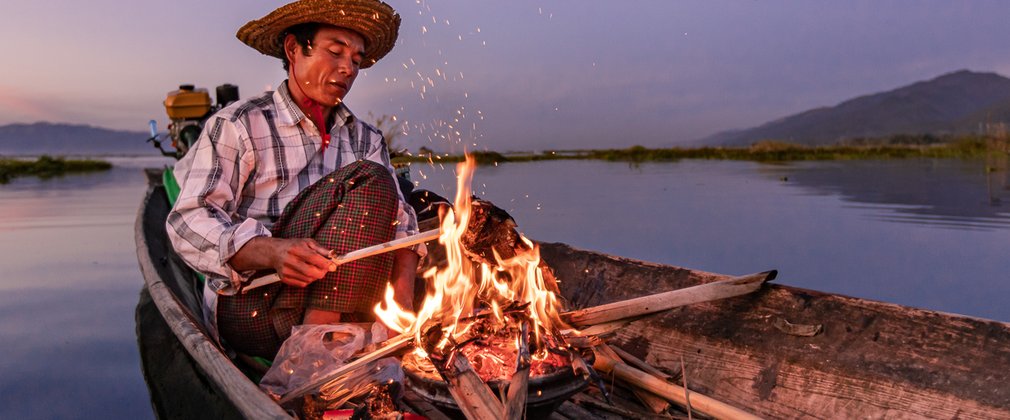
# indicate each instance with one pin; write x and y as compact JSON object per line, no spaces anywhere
{"x":71,"y":139}
{"x":955,"y":103}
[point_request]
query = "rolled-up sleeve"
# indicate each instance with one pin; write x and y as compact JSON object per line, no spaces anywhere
{"x":406,"y":219}
{"x":202,"y":225}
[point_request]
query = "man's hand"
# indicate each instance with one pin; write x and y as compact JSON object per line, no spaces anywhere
{"x":298,"y":262}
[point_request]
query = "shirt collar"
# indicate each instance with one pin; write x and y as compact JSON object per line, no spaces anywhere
{"x":290,"y":114}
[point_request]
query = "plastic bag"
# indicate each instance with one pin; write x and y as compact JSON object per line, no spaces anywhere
{"x":314,"y":351}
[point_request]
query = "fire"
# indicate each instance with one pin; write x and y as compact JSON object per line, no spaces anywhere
{"x":462,"y":288}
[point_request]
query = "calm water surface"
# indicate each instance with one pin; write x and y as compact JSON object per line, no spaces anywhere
{"x":929,"y":233}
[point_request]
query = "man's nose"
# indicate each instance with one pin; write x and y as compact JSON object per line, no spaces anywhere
{"x":345,"y":66}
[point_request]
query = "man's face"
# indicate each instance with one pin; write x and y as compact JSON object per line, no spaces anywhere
{"x":326,"y":75}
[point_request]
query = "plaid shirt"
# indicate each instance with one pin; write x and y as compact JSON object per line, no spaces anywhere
{"x":251,"y":160}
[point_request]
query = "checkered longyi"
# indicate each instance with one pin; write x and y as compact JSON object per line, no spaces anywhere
{"x":352,"y":208}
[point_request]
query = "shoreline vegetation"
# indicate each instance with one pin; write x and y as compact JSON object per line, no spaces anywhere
{"x":47,"y":167}
{"x":897,"y":147}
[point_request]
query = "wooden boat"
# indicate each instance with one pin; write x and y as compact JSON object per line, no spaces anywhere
{"x":781,"y":352}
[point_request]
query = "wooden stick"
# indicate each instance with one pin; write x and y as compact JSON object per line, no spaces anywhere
{"x":583,"y":399}
{"x":355,"y":255}
{"x":687,"y":395}
{"x":586,"y":337}
{"x":645,"y":305}
{"x":653,"y":402}
{"x":703,"y":404}
{"x":641,"y":364}
{"x":574,"y":411}
{"x":423,"y":407}
{"x":515,"y":401}
{"x":386,"y":247}
{"x":472,"y":395}
{"x":389,"y":348}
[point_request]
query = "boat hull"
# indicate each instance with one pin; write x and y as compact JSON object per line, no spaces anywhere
{"x":868,"y":359}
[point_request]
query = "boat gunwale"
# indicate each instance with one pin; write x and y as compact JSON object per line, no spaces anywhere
{"x":229,"y":381}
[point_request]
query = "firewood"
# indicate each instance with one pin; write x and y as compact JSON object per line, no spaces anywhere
{"x":490,"y":231}
{"x":585,"y":400}
{"x":646,"y":305}
{"x":472,"y":395}
{"x":357,"y":367}
{"x":673,"y":393}
{"x":653,"y":402}
{"x":515,"y":400}
{"x":423,"y":407}
{"x":643,"y":365}
{"x":575,"y":411}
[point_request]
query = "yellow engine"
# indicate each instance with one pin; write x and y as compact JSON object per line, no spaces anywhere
{"x":187,"y":103}
{"x":188,"y":108}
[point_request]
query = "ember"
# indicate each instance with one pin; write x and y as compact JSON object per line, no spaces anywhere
{"x":494,"y":359}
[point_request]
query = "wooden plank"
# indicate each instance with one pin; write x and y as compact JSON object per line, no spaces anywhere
{"x":653,"y":303}
{"x":605,"y":362}
{"x":246,"y":396}
{"x":781,"y":388}
{"x":871,"y":359}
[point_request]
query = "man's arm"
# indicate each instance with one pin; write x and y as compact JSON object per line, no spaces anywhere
{"x":202,"y":224}
{"x":298,"y":262}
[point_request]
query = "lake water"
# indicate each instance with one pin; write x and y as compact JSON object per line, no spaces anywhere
{"x":925,"y":233}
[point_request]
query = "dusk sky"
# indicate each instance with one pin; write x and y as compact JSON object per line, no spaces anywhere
{"x":517,"y":75}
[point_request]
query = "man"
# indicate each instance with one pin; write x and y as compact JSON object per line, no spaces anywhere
{"x":281,"y":181}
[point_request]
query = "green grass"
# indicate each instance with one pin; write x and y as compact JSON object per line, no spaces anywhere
{"x":47,"y":167}
{"x":764,"y":151}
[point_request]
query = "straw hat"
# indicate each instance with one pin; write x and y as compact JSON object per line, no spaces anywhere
{"x":376,"y":21}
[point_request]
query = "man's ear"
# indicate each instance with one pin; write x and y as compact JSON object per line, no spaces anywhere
{"x":291,"y":47}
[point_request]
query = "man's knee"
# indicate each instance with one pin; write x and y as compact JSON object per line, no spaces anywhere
{"x":376,"y":179}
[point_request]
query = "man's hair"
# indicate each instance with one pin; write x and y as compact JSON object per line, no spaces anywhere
{"x":304,"y":33}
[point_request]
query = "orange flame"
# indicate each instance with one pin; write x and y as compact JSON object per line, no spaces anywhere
{"x":461,"y":287}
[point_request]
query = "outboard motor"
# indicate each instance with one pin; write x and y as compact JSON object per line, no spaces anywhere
{"x":188,"y":109}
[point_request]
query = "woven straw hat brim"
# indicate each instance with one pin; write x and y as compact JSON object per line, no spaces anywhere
{"x":376,"y":21}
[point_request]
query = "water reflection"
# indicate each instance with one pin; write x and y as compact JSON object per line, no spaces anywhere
{"x":917,"y":233}
{"x":945,"y":193}
{"x":68,"y":294}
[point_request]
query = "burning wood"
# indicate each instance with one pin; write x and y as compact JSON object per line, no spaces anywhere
{"x":515,"y":401}
{"x":472,"y":395}
{"x":490,"y":230}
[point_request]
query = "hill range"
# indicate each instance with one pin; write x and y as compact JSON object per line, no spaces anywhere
{"x":962,"y":102}
{"x":71,"y":139}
